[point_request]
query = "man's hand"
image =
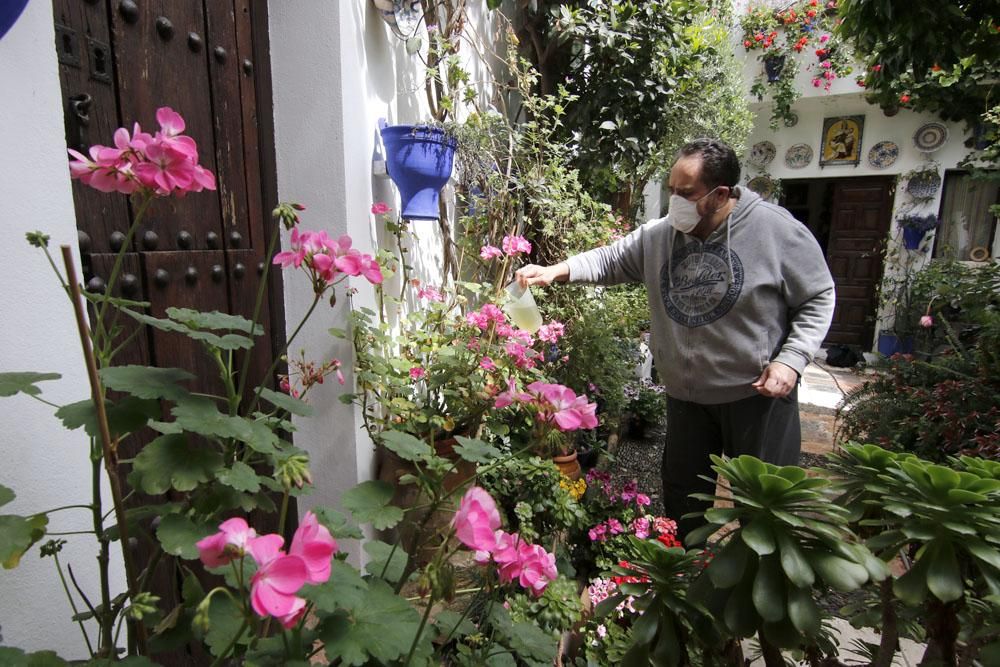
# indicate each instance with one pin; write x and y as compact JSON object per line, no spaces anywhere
{"x":533,"y":274}
{"x":776,"y":380}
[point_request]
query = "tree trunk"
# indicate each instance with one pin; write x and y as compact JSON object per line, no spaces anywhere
{"x":942,"y":634}
{"x":890,"y":631}
{"x":771,"y":653}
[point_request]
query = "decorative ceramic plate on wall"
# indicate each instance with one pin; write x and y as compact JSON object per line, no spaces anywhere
{"x":930,"y":137}
{"x":762,"y":153}
{"x":883,"y":154}
{"x":798,"y":156}
{"x":762,"y":185}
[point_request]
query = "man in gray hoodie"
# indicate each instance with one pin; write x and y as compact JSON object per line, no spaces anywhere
{"x":740,"y":298}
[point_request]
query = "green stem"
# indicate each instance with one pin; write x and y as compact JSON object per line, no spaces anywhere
{"x":72,"y":604}
{"x":116,"y":269}
{"x":68,"y":507}
{"x":258,"y":304}
{"x":277,"y":358}
{"x":104,"y":619}
{"x":420,"y":630}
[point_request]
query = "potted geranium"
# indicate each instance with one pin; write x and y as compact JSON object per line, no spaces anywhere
{"x":646,"y":405}
{"x":915,"y":227}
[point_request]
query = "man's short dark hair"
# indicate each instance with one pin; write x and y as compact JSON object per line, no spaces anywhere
{"x":719,"y":164}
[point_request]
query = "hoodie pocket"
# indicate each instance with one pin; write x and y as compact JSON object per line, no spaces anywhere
{"x":763,"y":349}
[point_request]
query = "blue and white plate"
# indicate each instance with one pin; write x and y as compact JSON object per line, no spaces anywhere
{"x":883,"y":154}
{"x":762,"y":153}
{"x":798,"y":156}
{"x":930,"y":136}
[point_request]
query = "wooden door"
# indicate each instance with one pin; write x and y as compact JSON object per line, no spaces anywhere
{"x":120,"y":60}
{"x":860,"y":221}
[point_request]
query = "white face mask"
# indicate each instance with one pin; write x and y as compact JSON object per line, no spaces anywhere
{"x":683,"y":214}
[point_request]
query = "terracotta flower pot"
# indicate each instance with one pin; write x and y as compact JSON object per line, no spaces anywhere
{"x":568,"y":465}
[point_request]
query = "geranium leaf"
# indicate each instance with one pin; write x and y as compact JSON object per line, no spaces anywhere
{"x":17,"y":534}
{"x":369,"y":503}
{"x":345,"y":589}
{"x":124,"y":416}
{"x":147,"y":381}
{"x":24,"y":382}
{"x":224,"y":620}
{"x":387,"y":562}
{"x":338,"y":524}
{"x":6,"y":495}
{"x":240,"y":477}
{"x":452,"y":624}
{"x":15,"y":657}
{"x":200,"y":415}
{"x":177,"y":535}
{"x":214,"y":320}
{"x":379,"y":630}
{"x":475,"y":450}
{"x":406,"y":446}
{"x":287,"y":403}
{"x":173,"y":462}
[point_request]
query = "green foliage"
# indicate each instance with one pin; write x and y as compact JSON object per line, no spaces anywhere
{"x":14,"y":383}
{"x":790,"y":541}
{"x":943,"y":520}
{"x":557,"y":609}
{"x":782,"y":35}
{"x":369,"y":502}
{"x":935,"y":408}
{"x":646,"y":78}
{"x":939,"y":58}
{"x":531,"y":497}
{"x":380,"y":626}
{"x":173,"y":462}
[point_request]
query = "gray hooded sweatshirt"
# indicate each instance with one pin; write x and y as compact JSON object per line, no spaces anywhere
{"x":756,"y":290}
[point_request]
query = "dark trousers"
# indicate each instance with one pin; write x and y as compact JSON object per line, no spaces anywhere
{"x":767,"y":428}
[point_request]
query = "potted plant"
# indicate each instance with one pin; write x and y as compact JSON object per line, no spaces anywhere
{"x":915,"y":227}
{"x":923,"y":182}
{"x":419,"y":159}
{"x":646,"y":405}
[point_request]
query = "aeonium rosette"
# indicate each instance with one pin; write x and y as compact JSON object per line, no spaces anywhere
{"x":477,"y":526}
{"x":280,"y":575}
{"x":162,"y":164}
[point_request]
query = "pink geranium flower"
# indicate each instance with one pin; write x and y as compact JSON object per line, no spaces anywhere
{"x":513,"y":245}
{"x":537,"y":568}
{"x":926,"y":321}
{"x":380,"y":208}
{"x":487,"y":364}
{"x":417,"y":373}
{"x":313,"y":543}
{"x":551,"y":332}
{"x":278,"y":578}
{"x":430,"y":293}
{"x":477,"y":521}
{"x":230,"y":542}
{"x":489,"y":252}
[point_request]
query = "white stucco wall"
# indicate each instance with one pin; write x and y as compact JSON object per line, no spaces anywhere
{"x":337,"y":69}
{"x":46,"y":465}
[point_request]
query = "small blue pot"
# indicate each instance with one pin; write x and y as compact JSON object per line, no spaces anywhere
{"x":912,"y":238}
{"x":890,"y":344}
{"x":419,"y":160}
{"x":10,"y":10}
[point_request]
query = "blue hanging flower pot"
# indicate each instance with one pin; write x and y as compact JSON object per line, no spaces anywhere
{"x":913,"y":237}
{"x":419,"y":160}
{"x":10,"y":10}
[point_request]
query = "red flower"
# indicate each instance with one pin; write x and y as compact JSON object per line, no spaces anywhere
{"x":876,"y":68}
{"x":904,"y":98}
{"x":746,"y":43}
{"x":811,"y":13}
